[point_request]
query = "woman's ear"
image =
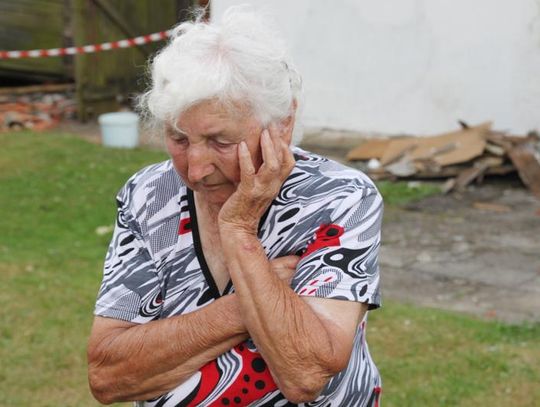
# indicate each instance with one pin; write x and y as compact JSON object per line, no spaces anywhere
{"x":287,"y":124}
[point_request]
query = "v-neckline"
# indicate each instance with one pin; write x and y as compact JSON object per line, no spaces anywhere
{"x":197,"y":243}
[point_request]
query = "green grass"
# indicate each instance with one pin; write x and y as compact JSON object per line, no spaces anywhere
{"x":402,"y":192}
{"x":430,"y":357}
{"x":55,"y":190}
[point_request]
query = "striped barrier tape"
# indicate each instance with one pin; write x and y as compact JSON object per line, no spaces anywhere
{"x":86,"y":49}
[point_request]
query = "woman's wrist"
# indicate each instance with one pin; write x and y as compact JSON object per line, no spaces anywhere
{"x":232,"y":313}
{"x":239,"y":240}
{"x":228,"y":229}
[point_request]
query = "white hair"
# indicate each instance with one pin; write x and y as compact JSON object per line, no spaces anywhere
{"x":241,"y":60}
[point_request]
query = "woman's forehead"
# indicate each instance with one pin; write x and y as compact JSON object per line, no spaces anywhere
{"x":220,"y":109}
{"x":213,"y":117}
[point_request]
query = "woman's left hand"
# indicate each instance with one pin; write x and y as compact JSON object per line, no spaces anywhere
{"x":257,"y":188}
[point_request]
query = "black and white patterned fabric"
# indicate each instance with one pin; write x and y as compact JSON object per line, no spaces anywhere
{"x":326,"y":212}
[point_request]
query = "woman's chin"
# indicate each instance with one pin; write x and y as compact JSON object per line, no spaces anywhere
{"x":215,"y":195}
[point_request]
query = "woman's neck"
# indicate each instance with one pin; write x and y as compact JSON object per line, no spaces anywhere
{"x":207,"y":210}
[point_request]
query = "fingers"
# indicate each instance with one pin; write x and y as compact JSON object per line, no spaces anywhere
{"x":288,"y":157}
{"x":283,"y":151}
{"x":290,"y":261}
{"x":277,"y":156}
{"x":285,"y":267}
{"x":277,"y":164}
{"x":277,"y":140}
{"x":246,"y":164}
{"x":286,"y":262}
{"x":270,"y":158}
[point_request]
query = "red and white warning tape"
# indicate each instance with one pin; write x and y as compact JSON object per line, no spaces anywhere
{"x":86,"y":49}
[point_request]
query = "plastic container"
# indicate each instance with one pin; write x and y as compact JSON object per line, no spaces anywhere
{"x":120,"y":129}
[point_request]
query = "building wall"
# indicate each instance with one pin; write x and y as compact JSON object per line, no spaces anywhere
{"x":413,"y":66}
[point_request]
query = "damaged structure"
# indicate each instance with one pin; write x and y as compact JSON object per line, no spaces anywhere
{"x":94,"y":83}
{"x":462,"y":157}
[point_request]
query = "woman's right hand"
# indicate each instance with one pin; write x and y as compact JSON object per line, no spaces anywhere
{"x":285,"y":267}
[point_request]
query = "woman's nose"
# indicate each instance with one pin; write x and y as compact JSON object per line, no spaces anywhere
{"x":200,"y":163}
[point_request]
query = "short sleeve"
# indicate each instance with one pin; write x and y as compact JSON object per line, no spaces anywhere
{"x":341,"y":260}
{"x":130,"y":289}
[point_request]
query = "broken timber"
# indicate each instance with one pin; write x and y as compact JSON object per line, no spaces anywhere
{"x":465,"y":156}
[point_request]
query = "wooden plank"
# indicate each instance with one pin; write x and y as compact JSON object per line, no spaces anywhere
{"x":105,"y":77}
{"x":469,"y":175}
{"x":32,"y":24}
{"x":453,"y":171}
{"x":130,"y":29}
{"x":491,"y":207}
{"x":79,"y":36}
{"x":397,"y":148}
{"x":524,"y":157}
{"x":369,"y":149}
{"x":46,"y":88}
{"x":495,"y":149}
{"x":445,"y":172}
{"x":467,"y":144}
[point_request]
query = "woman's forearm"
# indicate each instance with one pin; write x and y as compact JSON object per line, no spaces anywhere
{"x":290,"y":336}
{"x":144,"y":361}
{"x":159,"y":384}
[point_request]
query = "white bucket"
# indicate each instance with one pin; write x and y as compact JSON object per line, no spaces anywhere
{"x":120,"y":129}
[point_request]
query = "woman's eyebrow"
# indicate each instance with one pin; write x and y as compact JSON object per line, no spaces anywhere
{"x":176,"y":130}
{"x":220,"y":134}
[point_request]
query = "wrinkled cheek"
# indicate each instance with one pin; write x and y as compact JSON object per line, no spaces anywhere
{"x":180,"y":164}
{"x":229,"y":166}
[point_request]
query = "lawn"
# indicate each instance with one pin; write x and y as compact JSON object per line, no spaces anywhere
{"x":57,"y":192}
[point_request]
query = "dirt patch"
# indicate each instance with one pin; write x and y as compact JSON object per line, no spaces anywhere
{"x":444,"y":252}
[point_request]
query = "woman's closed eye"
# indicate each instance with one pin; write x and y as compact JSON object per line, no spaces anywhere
{"x":176,"y":135}
{"x":222,"y":144}
{"x":179,"y":139}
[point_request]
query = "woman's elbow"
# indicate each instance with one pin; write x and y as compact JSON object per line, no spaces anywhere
{"x":306,"y":387}
{"x":100,"y":387}
{"x":106,"y":384}
{"x":298,"y":395}
{"x":304,"y":393}
{"x":100,"y":384}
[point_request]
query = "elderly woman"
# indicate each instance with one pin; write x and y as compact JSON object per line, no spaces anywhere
{"x":240,"y":270}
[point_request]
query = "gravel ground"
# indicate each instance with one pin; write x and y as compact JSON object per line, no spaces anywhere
{"x":445,"y":253}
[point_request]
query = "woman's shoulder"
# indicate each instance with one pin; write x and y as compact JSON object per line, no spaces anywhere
{"x":318,"y":176}
{"x":154,"y":180}
{"x":151,"y":174}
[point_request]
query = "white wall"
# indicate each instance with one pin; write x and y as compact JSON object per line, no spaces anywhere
{"x":413,"y":66}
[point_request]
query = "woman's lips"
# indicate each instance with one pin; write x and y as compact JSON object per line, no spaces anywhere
{"x":211,"y":186}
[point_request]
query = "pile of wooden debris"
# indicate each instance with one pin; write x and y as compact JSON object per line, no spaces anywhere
{"x":37,"y":107}
{"x":463,"y":156}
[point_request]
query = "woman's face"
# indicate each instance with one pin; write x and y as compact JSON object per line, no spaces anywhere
{"x":204,"y":149}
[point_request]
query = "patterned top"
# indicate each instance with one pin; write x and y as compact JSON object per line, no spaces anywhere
{"x":327,"y":213}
